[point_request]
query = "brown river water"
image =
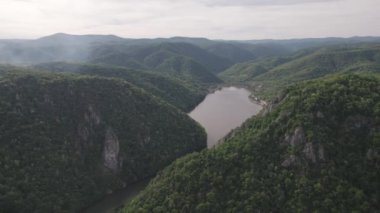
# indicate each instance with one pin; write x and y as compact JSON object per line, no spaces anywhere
{"x":224,"y":110}
{"x":219,"y":113}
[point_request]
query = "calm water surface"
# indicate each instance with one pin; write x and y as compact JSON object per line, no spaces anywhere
{"x":219,"y":113}
{"x":223,"y":111}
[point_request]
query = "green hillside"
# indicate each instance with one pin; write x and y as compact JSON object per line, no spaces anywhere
{"x":187,"y":69}
{"x":152,"y":56}
{"x":68,"y":140}
{"x":326,"y":61}
{"x":248,"y":71}
{"x":269,"y":75}
{"x":184,"y":94}
{"x":316,"y":150}
{"x":233,"y":52}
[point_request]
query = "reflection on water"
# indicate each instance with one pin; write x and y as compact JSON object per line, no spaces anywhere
{"x":223,"y":111}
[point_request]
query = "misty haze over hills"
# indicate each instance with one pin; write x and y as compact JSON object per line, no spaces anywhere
{"x":206,"y":106}
{"x":84,"y":116}
{"x":84,"y":48}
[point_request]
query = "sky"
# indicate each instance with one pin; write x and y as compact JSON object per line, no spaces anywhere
{"x":214,"y":19}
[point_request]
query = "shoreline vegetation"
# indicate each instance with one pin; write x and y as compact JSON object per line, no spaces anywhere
{"x":96,"y":113}
{"x":276,"y":153}
{"x":254,"y":98}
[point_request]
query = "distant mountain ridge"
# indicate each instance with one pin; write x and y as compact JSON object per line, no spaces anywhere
{"x":152,"y":56}
{"x":266,"y":76}
{"x":62,"y":39}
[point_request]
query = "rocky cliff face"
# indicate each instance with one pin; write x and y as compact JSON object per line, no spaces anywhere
{"x":111,"y":151}
{"x":317,"y":150}
{"x":66,"y":141}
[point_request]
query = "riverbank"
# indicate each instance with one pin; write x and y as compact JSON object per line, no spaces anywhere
{"x":255,"y":98}
{"x":116,"y":200}
{"x":224,"y":109}
{"x":241,"y":105}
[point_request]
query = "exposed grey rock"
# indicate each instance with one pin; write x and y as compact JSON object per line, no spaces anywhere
{"x":297,"y":138}
{"x":111,"y":151}
{"x":291,"y":161}
{"x":309,"y":152}
{"x":92,"y":116}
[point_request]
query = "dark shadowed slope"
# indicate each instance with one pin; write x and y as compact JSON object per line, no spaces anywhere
{"x":68,"y":140}
{"x":183,"y":94}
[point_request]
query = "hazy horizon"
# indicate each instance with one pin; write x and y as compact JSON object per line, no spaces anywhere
{"x":193,"y":37}
{"x":213,"y":19}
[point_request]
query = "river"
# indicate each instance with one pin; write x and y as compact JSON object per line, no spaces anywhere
{"x":111,"y":203}
{"x":220,"y":112}
{"x":224,"y":110}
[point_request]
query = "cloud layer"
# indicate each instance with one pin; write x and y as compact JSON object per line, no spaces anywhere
{"x":218,"y":19}
{"x":258,"y":2}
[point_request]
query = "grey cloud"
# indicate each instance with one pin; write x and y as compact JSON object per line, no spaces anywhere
{"x":258,"y":2}
{"x":221,"y":19}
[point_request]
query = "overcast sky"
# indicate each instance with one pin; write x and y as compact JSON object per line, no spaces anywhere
{"x":216,"y":19}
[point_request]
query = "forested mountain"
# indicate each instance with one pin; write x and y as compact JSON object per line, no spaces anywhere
{"x":68,"y":140}
{"x":315,"y":150}
{"x":183,"y":94}
{"x":303,"y":43}
{"x":268,"y":75}
{"x":195,"y":58}
{"x":57,"y":47}
{"x":87,"y":115}
{"x":82,"y":48}
{"x":152,"y":56}
{"x":231,"y":52}
{"x":242,"y":52}
{"x":187,"y":69}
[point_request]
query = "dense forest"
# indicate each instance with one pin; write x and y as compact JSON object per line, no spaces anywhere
{"x":316,"y":150}
{"x":83,"y":116}
{"x":184,"y":94}
{"x":68,"y":140}
{"x":269,"y":75}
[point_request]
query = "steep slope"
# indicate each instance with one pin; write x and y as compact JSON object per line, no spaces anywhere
{"x":187,"y":69}
{"x":66,"y":140}
{"x":153,"y":55}
{"x":231,"y":51}
{"x":183,"y":94}
{"x":267,"y":76}
{"x":243,"y":52}
{"x":317,"y":150}
{"x":248,"y":71}
{"x":326,"y":61}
